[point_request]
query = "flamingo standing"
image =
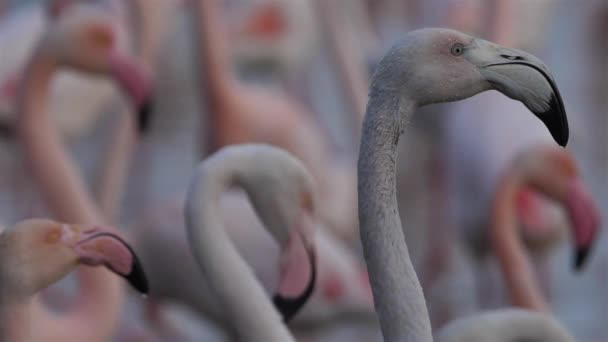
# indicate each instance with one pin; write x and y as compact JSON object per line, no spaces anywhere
{"x":84,"y":40}
{"x":36,"y":253}
{"x":285,"y":201}
{"x":429,"y":66}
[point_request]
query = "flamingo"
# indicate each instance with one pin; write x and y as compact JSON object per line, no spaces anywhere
{"x":342,"y":280}
{"x":38,"y":252}
{"x":429,"y":66}
{"x":553,"y":172}
{"x":342,"y":285}
{"x":72,"y":117}
{"x":76,"y":102}
{"x":241,"y":113}
{"x":84,"y":40}
{"x":281,"y":191}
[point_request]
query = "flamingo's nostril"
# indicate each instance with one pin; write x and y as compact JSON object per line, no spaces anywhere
{"x":513,"y":58}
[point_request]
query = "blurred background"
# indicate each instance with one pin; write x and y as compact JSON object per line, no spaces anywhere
{"x":295,"y":73}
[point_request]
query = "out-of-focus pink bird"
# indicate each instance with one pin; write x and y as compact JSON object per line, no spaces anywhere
{"x":551,"y":171}
{"x":36,"y":253}
{"x":85,"y":40}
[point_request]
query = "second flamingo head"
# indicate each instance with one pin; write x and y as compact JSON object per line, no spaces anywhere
{"x":553,"y":172}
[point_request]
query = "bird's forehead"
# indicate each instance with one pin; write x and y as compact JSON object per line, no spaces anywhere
{"x":451,"y":37}
{"x":441,"y":41}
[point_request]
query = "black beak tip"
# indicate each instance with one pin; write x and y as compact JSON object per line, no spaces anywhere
{"x":137,"y":278}
{"x":580,"y":257}
{"x":288,"y":307}
{"x":557,"y":124}
{"x":144,"y":116}
{"x":556,"y":120}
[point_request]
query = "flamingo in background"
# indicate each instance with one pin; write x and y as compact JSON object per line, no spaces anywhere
{"x":85,"y":40}
{"x":76,"y":101}
{"x":430,"y":66}
{"x":287,"y":200}
{"x":518,"y":223}
{"x":239,"y":113}
{"x":553,"y":172}
{"x":36,"y":253}
{"x":342,"y":288}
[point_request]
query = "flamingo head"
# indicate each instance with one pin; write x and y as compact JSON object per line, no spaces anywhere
{"x":91,"y":41}
{"x":553,"y":171}
{"x":436,"y":65}
{"x":37,"y":252}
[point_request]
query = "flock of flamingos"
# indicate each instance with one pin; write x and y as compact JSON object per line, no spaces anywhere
{"x":267,"y":165}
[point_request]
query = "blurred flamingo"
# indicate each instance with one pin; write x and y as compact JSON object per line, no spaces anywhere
{"x":76,"y":101}
{"x":286,"y":201}
{"x":84,"y":40}
{"x":553,"y":172}
{"x":36,"y":253}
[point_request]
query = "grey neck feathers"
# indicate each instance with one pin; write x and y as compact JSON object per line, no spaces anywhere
{"x":248,"y":308}
{"x":398,"y":296}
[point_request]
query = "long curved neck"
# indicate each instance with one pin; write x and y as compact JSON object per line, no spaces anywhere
{"x":216,"y":80}
{"x":506,"y":242}
{"x":116,"y":163}
{"x":66,"y":195}
{"x":240,"y":294}
{"x":398,"y":297}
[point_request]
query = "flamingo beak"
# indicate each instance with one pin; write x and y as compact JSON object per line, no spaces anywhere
{"x":299,"y":254}
{"x":585,"y":219}
{"x":136,"y":83}
{"x":525,"y":78}
{"x":97,"y":245}
{"x":290,"y":306}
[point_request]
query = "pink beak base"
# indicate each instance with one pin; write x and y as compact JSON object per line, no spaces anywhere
{"x":296,"y":260}
{"x":102,"y":246}
{"x":134,"y":81}
{"x":585,"y":218}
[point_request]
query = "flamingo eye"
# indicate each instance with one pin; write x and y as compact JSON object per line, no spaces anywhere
{"x":457,"y":49}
